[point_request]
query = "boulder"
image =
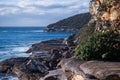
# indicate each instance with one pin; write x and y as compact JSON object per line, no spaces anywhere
{"x":57,"y":74}
{"x":7,"y":65}
{"x":32,"y":69}
{"x":36,"y":66}
{"x":71,"y":68}
{"x":55,"y":58}
{"x":102,"y":70}
{"x":23,"y":75}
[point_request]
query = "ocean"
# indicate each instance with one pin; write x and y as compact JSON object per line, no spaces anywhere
{"x":14,"y":41}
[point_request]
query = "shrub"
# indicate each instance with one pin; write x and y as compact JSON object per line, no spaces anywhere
{"x":100,"y":46}
{"x":85,"y":32}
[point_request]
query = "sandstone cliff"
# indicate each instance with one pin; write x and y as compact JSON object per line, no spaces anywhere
{"x":106,"y":13}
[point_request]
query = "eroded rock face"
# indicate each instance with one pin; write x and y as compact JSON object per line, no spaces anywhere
{"x":71,"y":68}
{"x":106,"y":11}
{"x":102,"y":70}
{"x":90,"y":70}
{"x":57,"y":74}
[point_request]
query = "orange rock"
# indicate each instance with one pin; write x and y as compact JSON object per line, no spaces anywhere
{"x":77,"y":77}
{"x":105,"y":16}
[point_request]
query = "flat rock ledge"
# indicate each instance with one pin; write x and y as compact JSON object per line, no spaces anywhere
{"x":73,"y":69}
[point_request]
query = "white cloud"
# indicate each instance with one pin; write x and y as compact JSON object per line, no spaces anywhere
{"x":44,"y":12}
{"x":8,"y":10}
{"x":41,"y":6}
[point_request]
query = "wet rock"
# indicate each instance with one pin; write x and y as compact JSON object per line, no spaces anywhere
{"x":32,"y":69}
{"x":23,"y":75}
{"x":47,"y":45}
{"x":5,"y":79}
{"x":29,"y":50}
{"x":55,"y":51}
{"x":65,"y":48}
{"x":7,"y":65}
{"x":36,"y":66}
{"x":55,"y":58}
{"x":70,"y":40}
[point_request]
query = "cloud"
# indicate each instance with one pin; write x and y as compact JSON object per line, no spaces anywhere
{"x":43,"y":7}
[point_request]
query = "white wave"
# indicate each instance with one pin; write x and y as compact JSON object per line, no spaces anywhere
{"x":4,"y":31}
{"x":37,"y":31}
{"x":30,"y":31}
{"x":4,"y":52}
{"x":22,"y":55}
{"x":20,"y":49}
{"x":26,"y":31}
{"x":9,"y":78}
{"x":14,"y":78}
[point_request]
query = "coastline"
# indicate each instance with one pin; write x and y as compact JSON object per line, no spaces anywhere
{"x":91,"y":54}
{"x":40,"y":62}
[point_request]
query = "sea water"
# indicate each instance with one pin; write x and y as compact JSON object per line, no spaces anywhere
{"x":14,"y":41}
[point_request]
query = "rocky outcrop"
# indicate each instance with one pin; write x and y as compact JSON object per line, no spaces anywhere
{"x":6,"y":66}
{"x":106,"y":13}
{"x":44,"y":59}
{"x":71,"y":24}
{"x":30,"y":68}
{"x":102,"y":70}
{"x":46,"y":46}
{"x":53,"y":59}
{"x":57,"y":74}
{"x":90,"y":70}
{"x":63,"y":46}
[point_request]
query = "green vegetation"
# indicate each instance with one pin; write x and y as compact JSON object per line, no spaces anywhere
{"x":71,"y":24}
{"x":85,"y":32}
{"x":100,"y":46}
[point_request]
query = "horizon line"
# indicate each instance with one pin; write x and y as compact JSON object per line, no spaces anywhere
{"x":23,"y":26}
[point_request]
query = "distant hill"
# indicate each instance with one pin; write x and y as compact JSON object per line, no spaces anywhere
{"x":71,"y":24}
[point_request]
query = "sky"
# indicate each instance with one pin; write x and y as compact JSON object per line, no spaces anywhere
{"x":39,"y":12}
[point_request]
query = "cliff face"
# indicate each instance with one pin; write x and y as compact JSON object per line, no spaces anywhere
{"x":71,"y":24}
{"x":105,"y":18}
{"x":106,"y":13}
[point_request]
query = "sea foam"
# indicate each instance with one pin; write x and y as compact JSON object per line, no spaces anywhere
{"x":20,"y":49}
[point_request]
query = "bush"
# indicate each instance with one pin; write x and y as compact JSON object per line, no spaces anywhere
{"x":85,"y":32}
{"x":100,"y":46}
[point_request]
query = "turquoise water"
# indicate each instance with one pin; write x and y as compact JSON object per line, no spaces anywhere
{"x":14,"y":41}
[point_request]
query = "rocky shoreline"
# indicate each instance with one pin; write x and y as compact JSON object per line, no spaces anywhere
{"x":56,"y":62}
{"x":45,"y":57}
{"x":55,"y":59}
